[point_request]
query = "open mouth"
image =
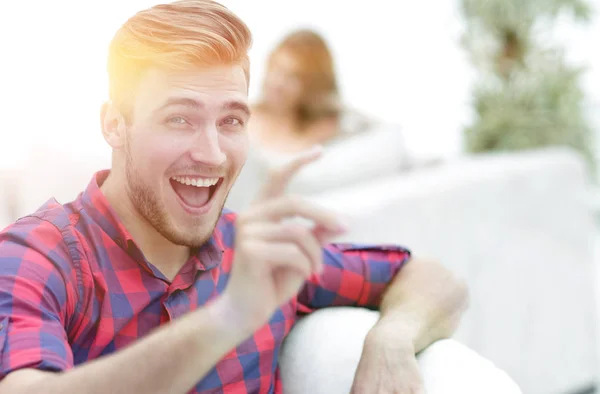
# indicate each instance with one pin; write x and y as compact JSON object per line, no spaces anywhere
{"x":195,"y":192}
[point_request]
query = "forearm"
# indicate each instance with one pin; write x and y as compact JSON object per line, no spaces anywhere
{"x":425,"y":301}
{"x":170,"y":360}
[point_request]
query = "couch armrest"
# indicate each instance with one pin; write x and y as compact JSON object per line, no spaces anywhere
{"x":322,"y":352}
{"x":519,"y":229}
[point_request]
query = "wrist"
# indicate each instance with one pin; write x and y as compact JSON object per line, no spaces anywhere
{"x":400,"y":329}
{"x":381,"y":339}
{"x":227,"y":318}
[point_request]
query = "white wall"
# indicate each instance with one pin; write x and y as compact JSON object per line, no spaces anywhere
{"x":399,"y":61}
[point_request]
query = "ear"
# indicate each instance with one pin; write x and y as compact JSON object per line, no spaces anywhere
{"x":113,"y":125}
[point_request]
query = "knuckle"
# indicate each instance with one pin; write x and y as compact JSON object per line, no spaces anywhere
{"x":295,"y":230}
{"x":241,"y":232}
{"x":298,"y":254}
{"x":294,"y":251}
{"x":243,"y":245}
{"x":242,"y":219}
{"x":298,"y":257}
{"x":294,"y":201}
{"x":252,"y":248}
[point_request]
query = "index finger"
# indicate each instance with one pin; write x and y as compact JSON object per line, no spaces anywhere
{"x":280,"y":178}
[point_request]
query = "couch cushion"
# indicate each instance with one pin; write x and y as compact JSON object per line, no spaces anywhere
{"x":377,"y":153}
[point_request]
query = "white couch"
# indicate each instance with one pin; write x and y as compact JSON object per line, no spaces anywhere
{"x":447,"y":366}
{"x":517,"y":227}
{"x":321,"y":354}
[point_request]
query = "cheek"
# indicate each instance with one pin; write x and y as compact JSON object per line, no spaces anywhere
{"x":236,"y":148}
{"x":155,"y":153}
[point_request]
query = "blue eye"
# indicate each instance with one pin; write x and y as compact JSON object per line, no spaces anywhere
{"x":178,"y":120}
{"x":233,"y":121}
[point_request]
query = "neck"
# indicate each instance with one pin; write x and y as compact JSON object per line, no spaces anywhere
{"x":159,"y":251}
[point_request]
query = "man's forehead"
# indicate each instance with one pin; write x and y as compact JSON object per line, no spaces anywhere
{"x":232,"y":77}
{"x":202,"y":102}
{"x":215,"y":86}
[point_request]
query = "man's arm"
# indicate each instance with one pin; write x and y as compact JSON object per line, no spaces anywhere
{"x":425,"y":302}
{"x":37,"y":288}
{"x":272,"y":260}
{"x":421,"y":298}
{"x":171,"y":360}
{"x":422,"y":304}
{"x":353,"y":275}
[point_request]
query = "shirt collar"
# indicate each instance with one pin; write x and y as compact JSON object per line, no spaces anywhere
{"x":96,"y":205}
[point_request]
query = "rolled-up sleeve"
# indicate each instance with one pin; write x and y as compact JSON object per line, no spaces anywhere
{"x":36,"y":292}
{"x":353,"y":275}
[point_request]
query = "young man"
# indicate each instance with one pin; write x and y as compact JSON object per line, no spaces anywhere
{"x":144,"y":284}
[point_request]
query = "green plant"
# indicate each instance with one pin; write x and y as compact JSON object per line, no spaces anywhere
{"x":526,"y":95}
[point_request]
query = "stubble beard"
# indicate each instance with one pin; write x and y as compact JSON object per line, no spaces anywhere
{"x":146,"y":202}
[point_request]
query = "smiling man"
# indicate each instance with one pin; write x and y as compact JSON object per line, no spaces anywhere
{"x":146,"y":284}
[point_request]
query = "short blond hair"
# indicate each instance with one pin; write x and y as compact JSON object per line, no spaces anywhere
{"x":176,"y":36}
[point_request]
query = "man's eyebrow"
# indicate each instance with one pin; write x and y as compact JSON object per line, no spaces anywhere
{"x":183,"y":101}
{"x":237,"y":106}
{"x":195,"y":104}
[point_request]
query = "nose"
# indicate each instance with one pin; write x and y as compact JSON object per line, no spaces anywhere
{"x":206,"y":148}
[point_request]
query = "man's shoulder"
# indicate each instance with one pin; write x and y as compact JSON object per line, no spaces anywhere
{"x":61,"y":216}
{"x":49,"y":229}
{"x":42,"y":249}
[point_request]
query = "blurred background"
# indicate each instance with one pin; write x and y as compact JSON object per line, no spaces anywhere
{"x":467,"y":130}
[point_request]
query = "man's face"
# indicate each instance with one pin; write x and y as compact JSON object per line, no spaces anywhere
{"x":186,"y":144}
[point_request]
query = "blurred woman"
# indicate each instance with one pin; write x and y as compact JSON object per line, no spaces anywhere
{"x":300,"y":105}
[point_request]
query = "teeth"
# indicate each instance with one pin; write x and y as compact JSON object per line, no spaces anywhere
{"x":198,"y":182}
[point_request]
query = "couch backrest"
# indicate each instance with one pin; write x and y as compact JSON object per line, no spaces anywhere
{"x":377,"y":153}
{"x":8,"y":197}
{"x":49,"y":174}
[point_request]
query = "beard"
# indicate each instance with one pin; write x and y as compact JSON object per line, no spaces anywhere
{"x":147,"y":203}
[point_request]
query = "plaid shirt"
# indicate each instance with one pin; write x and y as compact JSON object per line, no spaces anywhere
{"x":74,"y":287}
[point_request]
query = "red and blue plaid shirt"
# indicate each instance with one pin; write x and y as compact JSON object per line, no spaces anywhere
{"x":74,"y":287}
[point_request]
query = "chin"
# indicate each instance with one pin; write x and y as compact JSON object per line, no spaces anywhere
{"x":192,"y":212}
{"x":185,"y":214}
{"x":194,"y":230}
{"x":192,"y":236}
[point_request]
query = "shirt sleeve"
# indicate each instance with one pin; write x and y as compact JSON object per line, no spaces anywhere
{"x":36,"y":293}
{"x":353,"y":275}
